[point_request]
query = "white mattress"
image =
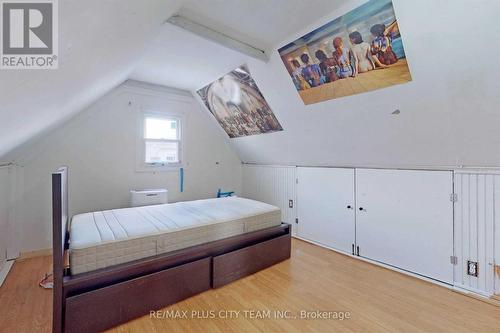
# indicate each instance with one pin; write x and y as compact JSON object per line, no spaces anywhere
{"x":102,"y":239}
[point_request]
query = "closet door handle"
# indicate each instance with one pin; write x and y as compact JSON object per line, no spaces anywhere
{"x":361,"y":209}
{"x":349,"y":207}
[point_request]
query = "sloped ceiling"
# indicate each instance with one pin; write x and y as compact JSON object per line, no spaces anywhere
{"x":261,"y":23}
{"x":183,"y":60}
{"x":449,"y":112}
{"x":177,"y":58}
{"x":100,"y":42}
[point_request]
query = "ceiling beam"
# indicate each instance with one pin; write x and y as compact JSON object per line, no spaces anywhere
{"x":218,"y":37}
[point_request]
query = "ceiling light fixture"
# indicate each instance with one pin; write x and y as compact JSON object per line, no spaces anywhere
{"x":217,"y":37}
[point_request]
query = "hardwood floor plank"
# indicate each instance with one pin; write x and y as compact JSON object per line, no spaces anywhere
{"x":378,"y":299}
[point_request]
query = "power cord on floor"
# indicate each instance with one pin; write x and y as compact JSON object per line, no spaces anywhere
{"x":45,"y":283}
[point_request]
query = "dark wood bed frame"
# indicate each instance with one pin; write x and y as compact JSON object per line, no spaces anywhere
{"x":98,"y":300}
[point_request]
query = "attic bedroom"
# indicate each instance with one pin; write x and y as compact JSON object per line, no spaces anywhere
{"x":249,"y":166}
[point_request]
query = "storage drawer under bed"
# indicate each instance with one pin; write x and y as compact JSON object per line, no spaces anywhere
{"x":233,"y":265}
{"x":105,"y":307}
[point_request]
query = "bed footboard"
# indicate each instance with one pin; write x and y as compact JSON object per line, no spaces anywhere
{"x":97,"y":310}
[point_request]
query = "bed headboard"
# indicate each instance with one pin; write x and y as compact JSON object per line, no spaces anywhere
{"x":59,"y":239}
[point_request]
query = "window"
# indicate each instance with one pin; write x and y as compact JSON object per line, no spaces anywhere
{"x":161,"y":141}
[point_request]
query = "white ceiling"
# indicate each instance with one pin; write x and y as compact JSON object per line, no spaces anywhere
{"x":183,"y":60}
{"x":102,"y":43}
{"x":446,"y":119}
{"x":262,"y":23}
{"x":177,"y":58}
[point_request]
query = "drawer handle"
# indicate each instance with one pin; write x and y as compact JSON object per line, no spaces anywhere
{"x":152,"y":195}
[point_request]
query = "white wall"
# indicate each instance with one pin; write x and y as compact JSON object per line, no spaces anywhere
{"x":474,"y":228}
{"x":274,"y":185}
{"x":99,"y":44}
{"x":99,"y":147}
{"x":449,"y":112}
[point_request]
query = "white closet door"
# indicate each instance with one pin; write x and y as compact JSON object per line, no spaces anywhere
{"x":405,"y":219}
{"x":325,"y":206}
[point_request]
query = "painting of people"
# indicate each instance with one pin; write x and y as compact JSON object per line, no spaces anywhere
{"x":358,"y":52}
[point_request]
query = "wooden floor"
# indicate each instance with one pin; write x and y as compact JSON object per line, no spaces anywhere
{"x":315,"y":279}
{"x":372,"y":80}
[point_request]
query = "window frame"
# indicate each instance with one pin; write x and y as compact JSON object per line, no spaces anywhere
{"x":141,"y":164}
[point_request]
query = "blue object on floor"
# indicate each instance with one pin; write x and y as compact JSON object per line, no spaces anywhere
{"x":221,"y":194}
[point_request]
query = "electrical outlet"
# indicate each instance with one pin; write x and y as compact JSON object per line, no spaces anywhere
{"x":290,"y":203}
{"x":472,"y":268}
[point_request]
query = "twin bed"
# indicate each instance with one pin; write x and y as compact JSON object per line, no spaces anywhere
{"x":113,"y":266}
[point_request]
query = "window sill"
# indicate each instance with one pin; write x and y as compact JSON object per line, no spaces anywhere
{"x":154,"y":168}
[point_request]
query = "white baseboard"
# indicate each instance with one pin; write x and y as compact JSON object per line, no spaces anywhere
{"x":34,"y":254}
{"x":5,"y":270}
{"x":456,"y":288}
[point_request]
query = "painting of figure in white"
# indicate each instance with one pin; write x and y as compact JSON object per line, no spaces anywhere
{"x":238,"y":105}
